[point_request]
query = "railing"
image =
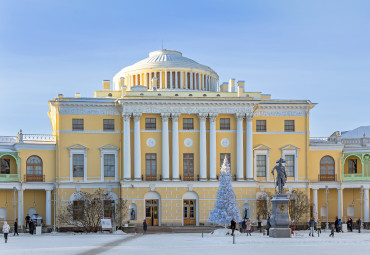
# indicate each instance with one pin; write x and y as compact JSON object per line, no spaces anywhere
{"x":8,"y":139}
{"x":9,"y":177}
{"x":150,"y":177}
{"x":38,"y":138}
{"x":34,"y":178}
{"x":188,"y":178}
{"x":327,"y":177}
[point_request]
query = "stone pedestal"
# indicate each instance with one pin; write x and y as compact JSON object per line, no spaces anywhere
{"x":279,"y":219}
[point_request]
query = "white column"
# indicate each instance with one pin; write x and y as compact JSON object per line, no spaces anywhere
{"x":191,"y":80}
{"x":175,"y":146}
{"x":165,"y":147}
{"x":181,"y":84}
{"x":161,"y":79}
{"x":48,"y":207}
{"x":315,"y":205}
{"x":126,"y":146}
{"x":199,"y":81}
{"x":212,"y":146}
{"x":20,"y":208}
{"x":186,"y":80}
{"x":339,"y":203}
{"x":249,"y":148}
{"x":171,"y":81}
{"x":137,"y":147}
{"x":176,"y":80}
{"x":366,"y":205}
{"x":239,"y":146}
{"x":203,"y":146}
{"x":165,"y":79}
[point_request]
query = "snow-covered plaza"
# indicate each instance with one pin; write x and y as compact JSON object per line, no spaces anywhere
{"x":342,"y":243}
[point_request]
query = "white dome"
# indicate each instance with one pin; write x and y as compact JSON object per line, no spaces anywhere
{"x":167,"y":59}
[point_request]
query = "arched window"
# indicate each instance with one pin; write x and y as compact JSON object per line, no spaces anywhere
{"x":34,"y":166}
{"x":327,"y":169}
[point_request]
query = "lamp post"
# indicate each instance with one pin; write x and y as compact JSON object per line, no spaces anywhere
{"x":55,"y":206}
{"x":14,"y":189}
{"x":362,"y":197}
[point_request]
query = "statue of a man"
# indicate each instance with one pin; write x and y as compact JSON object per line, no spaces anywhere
{"x":281,"y":175}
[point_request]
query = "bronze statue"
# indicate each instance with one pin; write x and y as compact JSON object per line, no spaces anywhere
{"x":281,"y":175}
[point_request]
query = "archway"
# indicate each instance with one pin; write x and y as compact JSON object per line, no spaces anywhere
{"x":152,"y":205}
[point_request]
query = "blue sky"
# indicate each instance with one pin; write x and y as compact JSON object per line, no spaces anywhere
{"x":316,"y":50}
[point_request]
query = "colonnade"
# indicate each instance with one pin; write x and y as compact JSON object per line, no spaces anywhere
{"x":175,"y":80}
{"x":175,"y":146}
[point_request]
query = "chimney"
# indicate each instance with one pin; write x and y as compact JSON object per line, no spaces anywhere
{"x":77,"y":94}
{"x":241,"y":84}
{"x":106,"y":84}
{"x":60,"y":95}
{"x":231,"y":85}
{"x":224,"y":87}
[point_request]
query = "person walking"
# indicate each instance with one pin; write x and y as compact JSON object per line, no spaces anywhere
{"x":332,"y":231}
{"x":248,"y":223}
{"x":31,"y":225}
{"x":350,"y":224}
{"x":27,"y":220}
{"x":311,"y":224}
{"x":259,"y":224}
{"x":244,"y":226}
{"x":340,"y":225}
{"x":336,"y":225}
{"x":318,"y":227}
{"x":6,"y":229}
{"x":16,"y":227}
{"x":358,"y":222}
{"x":268,"y":225}
{"x":145,"y":226}
{"x":233,"y":226}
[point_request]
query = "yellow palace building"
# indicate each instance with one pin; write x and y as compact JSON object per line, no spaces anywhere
{"x":157,"y":135}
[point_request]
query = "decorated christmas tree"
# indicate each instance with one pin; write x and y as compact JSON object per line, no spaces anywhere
{"x":225,"y":207}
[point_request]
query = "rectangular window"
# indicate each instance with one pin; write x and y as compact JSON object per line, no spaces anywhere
{"x":225,"y":123}
{"x":352,"y":166}
{"x":109,"y":165}
{"x":188,"y":167}
{"x":150,"y":123}
{"x":78,"y":165}
{"x":222,"y":157}
{"x":151,"y":166}
{"x":78,"y":124}
{"x":78,"y":210}
{"x":5,"y":166}
{"x":108,"y":125}
{"x":289,"y":126}
{"x":261,"y":165}
{"x":289,"y":165}
{"x":188,"y":123}
{"x":109,"y":206}
{"x":260,"y":125}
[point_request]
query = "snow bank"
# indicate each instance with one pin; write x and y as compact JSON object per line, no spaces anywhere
{"x":223,"y":232}
{"x":119,"y":232}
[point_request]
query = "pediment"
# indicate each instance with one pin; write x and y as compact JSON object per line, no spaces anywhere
{"x":77,"y":147}
{"x":261,"y":147}
{"x":289,"y":147}
{"x":109,"y":147}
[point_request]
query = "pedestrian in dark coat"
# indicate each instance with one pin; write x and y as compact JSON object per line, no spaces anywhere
{"x":27,"y":219}
{"x":358,"y":222}
{"x":336,"y":225}
{"x":16,"y":227}
{"x":350,"y":222}
{"x":340,"y":225}
{"x":332,"y":231}
{"x":145,"y":226}
{"x":31,"y":225}
{"x":268,"y":226}
{"x":259,"y":224}
{"x":311,"y":224}
{"x":233,"y":226}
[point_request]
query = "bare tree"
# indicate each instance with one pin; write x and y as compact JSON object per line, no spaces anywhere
{"x":86,"y":210}
{"x":264,"y":204}
{"x":299,"y":206}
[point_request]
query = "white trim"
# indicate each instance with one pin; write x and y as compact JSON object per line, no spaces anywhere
{"x":280,"y":133}
{"x":34,"y":146}
{"x":326,"y":147}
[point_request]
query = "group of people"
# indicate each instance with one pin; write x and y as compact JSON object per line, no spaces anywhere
{"x":6,"y":229}
{"x":30,"y":224}
{"x":245,"y":226}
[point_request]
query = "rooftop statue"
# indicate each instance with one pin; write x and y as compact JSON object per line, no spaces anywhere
{"x":281,"y":175}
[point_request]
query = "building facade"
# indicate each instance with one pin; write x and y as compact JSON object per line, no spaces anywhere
{"x":157,"y":137}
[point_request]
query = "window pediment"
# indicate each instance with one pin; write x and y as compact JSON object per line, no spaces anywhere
{"x":289,"y":147}
{"x":109,"y":147}
{"x":77,"y":147}
{"x":261,"y":147}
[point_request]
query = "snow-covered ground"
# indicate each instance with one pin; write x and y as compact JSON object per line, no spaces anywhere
{"x":343,"y":243}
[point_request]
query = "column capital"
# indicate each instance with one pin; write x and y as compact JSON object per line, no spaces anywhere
{"x":137,"y":116}
{"x":239,"y":116}
{"x":175,"y":116}
{"x":212,"y":117}
{"x":165,"y":116}
{"x":203,"y":116}
{"x":126,"y":115}
{"x":249,"y":116}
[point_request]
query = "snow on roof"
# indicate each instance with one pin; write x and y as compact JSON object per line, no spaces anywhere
{"x":357,"y":133}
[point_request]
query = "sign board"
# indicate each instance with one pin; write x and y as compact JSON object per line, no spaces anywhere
{"x":106,"y":223}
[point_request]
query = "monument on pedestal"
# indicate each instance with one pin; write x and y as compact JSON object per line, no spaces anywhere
{"x":279,"y":219}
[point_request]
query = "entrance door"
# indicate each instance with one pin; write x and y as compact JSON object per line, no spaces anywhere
{"x":190,"y":212}
{"x":151,"y":212}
